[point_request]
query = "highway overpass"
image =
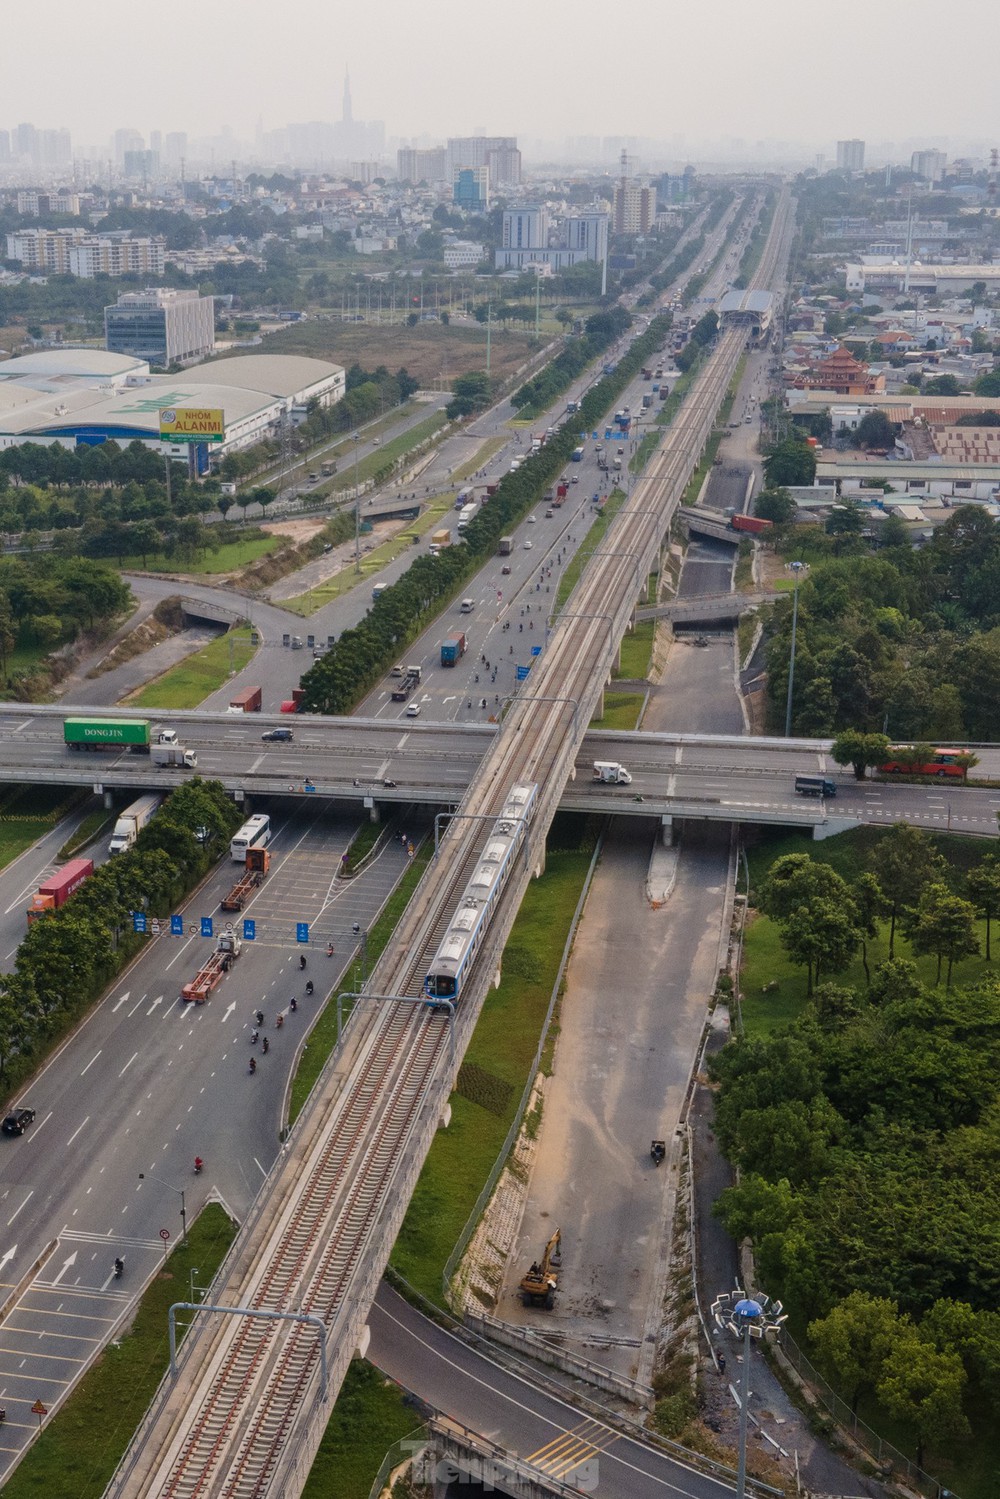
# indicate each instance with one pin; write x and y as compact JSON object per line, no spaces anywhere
{"x":711,"y":778}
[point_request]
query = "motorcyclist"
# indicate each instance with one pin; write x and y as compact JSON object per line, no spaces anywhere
{"x":309,"y":986}
{"x":293,"y":1004}
{"x":119,"y":1266}
{"x":198,"y":1164}
{"x":302,"y":960}
{"x":266,"y":1046}
{"x":253,"y":1064}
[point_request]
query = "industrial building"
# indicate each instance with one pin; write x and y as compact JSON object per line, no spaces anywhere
{"x":89,"y":396}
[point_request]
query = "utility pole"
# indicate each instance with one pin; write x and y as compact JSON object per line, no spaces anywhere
{"x":489,"y":330}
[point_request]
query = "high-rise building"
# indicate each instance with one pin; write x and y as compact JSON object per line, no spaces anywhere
{"x":4,"y":145}
{"x":587,"y":232}
{"x":117,"y":255}
{"x":526,"y":237}
{"x":421,"y":166}
{"x":634,"y":209}
{"x":498,"y":152}
{"x":144,"y":164}
{"x":161,"y":324}
{"x":929,"y":165}
{"x":471,"y":188}
{"x":176,"y":146}
{"x":526,"y":229}
{"x":44,"y":249}
{"x":127,"y":140}
{"x":850,"y":156}
{"x":26,"y":143}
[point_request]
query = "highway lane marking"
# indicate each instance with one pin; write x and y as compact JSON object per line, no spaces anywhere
{"x":119,"y":1002}
{"x":79,"y":1127}
{"x":56,"y":1358}
{"x":128,"y":1064}
{"x":91,"y":1062}
{"x":23,"y":1205}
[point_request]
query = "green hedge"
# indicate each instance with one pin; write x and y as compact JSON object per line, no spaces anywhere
{"x":69,"y":956}
{"x":362,"y":655}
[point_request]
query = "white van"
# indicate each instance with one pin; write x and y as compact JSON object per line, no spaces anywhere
{"x":466,"y":606}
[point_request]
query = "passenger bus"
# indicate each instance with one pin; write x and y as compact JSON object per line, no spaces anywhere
{"x":255,"y":833}
{"x":577,"y":455}
{"x":904,"y":760}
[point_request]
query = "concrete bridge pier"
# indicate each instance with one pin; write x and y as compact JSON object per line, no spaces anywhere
{"x":667,"y":830}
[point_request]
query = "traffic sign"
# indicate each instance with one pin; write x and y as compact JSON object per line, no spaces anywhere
{"x":154,"y":926}
{"x":177,"y":926}
{"x":536,"y":650}
{"x":164,"y":1234}
{"x":207,"y":927}
{"x":249,"y":929}
{"x":38,"y":1409}
{"x":522,"y":673}
{"x":302,"y":931}
{"x":138,"y":921}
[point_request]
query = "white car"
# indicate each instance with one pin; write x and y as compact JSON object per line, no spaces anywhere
{"x":413,"y":710}
{"x":528,"y":545}
{"x":531,"y":520}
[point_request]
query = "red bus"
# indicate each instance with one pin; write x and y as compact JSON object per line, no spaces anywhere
{"x":936,"y":762}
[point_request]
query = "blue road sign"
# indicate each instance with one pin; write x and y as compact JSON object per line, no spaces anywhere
{"x":536,"y":650}
{"x":177,"y":926}
{"x":138,"y":921}
{"x":522,"y":673}
{"x":249,"y":929}
{"x":302,"y":931}
{"x":207,"y":927}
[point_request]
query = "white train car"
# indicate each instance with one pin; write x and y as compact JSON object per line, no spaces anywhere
{"x":470,"y":922}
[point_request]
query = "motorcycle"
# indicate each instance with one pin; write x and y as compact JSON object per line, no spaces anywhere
{"x":253,"y":1065}
{"x":658,"y":1151}
{"x":309,"y":988}
{"x":302,"y":960}
{"x":119,"y":1267}
{"x":198,"y":1164}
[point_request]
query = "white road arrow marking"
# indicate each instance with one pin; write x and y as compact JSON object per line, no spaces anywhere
{"x":226,"y":1016}
{"x":6,"y":1259}
{"x":67,"y":1265}
{"x":157,"y":1001}
{"x":119,"y":1002}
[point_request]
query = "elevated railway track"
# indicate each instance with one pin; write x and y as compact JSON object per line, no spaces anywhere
{"x":247,"y":1410}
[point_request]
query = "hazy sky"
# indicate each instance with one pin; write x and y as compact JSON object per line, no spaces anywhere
{"x":704,"y":70}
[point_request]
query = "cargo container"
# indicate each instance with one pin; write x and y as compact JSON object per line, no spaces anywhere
{"x":289,"y":706}
{"x":441,"y":538}
{"x":57,"y":889}
{"x":754,"y":524}
{"x":491,"y":490}
{"x":562,"y":490}
{"x":506,"y":546}
{"x":135,"y":817}
{"x":298,"y":693}
{"x":107,"y":733}
{"x":247,"y":701}
{"x":174,"y":755}
{"x":452,"y":650}
{"x":647,"y":401}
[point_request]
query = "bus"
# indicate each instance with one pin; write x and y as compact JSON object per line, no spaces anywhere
{"x":577,"y":455}
{"x":950,"y":763}
{"x":255,"y":833}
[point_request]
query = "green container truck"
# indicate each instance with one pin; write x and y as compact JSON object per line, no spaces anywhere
{"x":107,"y":733}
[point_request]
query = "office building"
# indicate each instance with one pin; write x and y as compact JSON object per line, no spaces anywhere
{"x":850,"y":156}
{"x":471,"y":188}
{"x":421,"y":166}
{"x":527,"y":240}
{"x":161,"y":325}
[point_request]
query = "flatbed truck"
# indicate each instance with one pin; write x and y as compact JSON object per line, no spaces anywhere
{"x":257,"y":865}
{"x":209,"y":974}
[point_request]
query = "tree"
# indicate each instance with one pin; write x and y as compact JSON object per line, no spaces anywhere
{"x":904,"y":862}
{"x":875,"y":430}
{"x":795,"y":879}
{"x":775,"y":505}
{"x":988,"y":384}
{"x":924,"y":1387}
{"x":982,"y":886}
{"x":146,"y":538}
{"x":871,"y":907}
{"x":860,"y":750}
{"x":854,"y":1340}
{"x":846,"y":519}
{"x":943,"y":385}
{"x":790,"y":462}
{"x":822,"y":936}
{"x":944,"y":925}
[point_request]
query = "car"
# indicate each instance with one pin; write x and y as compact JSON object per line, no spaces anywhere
{"x":506,"y":569}
{"x":575,"y":479}
{"x":528,"y":545}
{"x":549,"y":514}
{"x":532,"y":519}
{"x":277,"y":736}
{"x":413,"y":710}
{"x":397,"y":671}
{"x":17,"y":1122}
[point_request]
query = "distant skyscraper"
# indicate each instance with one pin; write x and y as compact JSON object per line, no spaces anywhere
{"x":471,"y":188}
{"x":929,"y":165}
{"x":850,"y":156}
{"x":498,"y":152}
{"x":348,"y":115}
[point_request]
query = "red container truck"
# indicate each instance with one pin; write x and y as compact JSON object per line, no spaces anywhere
{"x":247,"y":701}
{"x":57,"y":889}
{"x":754,"y":524}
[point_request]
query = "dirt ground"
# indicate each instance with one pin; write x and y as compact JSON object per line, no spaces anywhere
{"x":297,"y":530}
{"x":434,"y":353}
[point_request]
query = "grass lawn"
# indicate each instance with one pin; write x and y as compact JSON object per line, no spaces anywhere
{"x":621,"y":711}
{"x":491,"y":446}
{"x":395,"y":448}
{"x":372,"y":562}
{"x":187,"y":685}
{"x":368,"y":1419}
{"x":77,"y":1452}
{"x":235,"y":552}
{"x":492,"y":1076}
{"x":595,"y":535}
{"x":637,"y":647}
{"x":27,"y":813}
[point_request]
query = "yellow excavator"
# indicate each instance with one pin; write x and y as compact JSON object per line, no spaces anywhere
{"x":538,"y":1287}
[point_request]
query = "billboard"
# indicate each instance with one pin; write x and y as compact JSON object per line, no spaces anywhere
{"x":192,"y":424}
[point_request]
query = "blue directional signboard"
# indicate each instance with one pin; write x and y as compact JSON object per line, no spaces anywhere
{"x":302,"y":931}
{"x":138,"y":921}
{"x":207,"y":927}
{"x":177,"y":926}
{"x":536,"y":650}
{"x":522,"y":673}
{"x":249,"y":929}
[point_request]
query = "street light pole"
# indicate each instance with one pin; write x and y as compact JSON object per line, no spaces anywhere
{"x":796,"y":570}
{"x":180,"y":1192}
{"x":746,"y":1318}
{"x":356,"y":438}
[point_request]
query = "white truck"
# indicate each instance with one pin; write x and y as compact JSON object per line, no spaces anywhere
{"x":174,"y":755}
{"x":610,"y":773}
{"x":132,"y":821}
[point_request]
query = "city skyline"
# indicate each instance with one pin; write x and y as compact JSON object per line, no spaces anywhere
{"x":700,"y":81}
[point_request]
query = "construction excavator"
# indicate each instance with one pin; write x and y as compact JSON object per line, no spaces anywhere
{"x":538,"y":1287}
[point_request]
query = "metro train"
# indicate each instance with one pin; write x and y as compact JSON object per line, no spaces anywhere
{"x":470,"y":922}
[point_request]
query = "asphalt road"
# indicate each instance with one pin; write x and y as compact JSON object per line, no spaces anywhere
{"x":544,"y":1430}
{"x":145,"y":1084}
